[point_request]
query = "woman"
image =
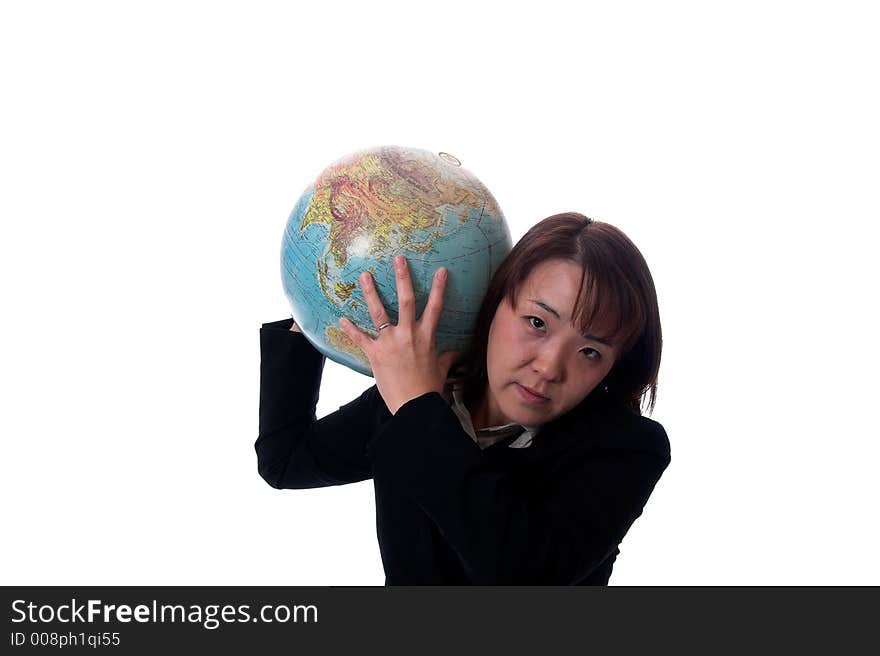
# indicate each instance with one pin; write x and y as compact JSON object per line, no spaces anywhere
{"x":532,"y":462}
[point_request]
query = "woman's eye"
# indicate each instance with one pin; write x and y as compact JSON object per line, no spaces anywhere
{"x":530,"y":319}
{"x":591,"y":353}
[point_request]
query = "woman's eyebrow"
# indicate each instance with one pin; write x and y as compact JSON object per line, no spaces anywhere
{"x":556,"y":314}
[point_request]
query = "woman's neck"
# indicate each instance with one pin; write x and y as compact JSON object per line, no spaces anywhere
{"x":480,"y":418}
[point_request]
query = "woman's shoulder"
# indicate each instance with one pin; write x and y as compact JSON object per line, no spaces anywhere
{"x":619,"y":428}
{"x":652,"y":435}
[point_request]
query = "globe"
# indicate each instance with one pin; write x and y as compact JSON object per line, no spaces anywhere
{"x":365,"y":209}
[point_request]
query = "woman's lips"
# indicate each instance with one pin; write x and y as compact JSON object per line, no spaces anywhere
{"x":529,"y":397}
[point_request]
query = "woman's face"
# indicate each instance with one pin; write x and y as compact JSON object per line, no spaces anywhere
{"x":535,"y":345}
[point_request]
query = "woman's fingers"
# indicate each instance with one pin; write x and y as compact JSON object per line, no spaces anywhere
{"x":406,"y":305}
{"x":374,"y":303}
{"x":434,"y":308}
{"x":405,"y":298}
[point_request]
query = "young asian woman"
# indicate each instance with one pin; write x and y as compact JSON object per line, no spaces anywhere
{"x":524,"y":460}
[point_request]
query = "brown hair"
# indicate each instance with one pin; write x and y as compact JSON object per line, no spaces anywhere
{"x":617,"y":298}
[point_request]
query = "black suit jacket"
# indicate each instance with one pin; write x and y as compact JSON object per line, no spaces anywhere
{"x":447,"y":512}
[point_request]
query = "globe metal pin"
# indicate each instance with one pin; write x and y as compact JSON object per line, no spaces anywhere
{"x":452,"y":159}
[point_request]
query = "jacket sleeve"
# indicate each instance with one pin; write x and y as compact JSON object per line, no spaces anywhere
{"x":294,"y":448}
{"x":500,"y":536}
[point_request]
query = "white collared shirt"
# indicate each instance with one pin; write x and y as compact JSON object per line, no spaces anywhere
{"x":486,"y":437}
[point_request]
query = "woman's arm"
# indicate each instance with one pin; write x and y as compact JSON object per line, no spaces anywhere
{"x":500,"y":536}
{"x":294,"y":448}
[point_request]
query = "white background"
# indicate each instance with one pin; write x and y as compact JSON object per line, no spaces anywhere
{"x":151,"y":152}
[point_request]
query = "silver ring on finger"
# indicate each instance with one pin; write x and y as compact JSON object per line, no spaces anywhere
{"x":383,"y":326}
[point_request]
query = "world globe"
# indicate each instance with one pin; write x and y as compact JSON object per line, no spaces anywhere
{"x":365,"y":209}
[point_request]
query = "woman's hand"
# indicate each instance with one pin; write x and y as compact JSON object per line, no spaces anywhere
{"x":403,"y":357}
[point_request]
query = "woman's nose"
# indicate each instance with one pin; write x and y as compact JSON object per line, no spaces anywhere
{"x":549,"y":364}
